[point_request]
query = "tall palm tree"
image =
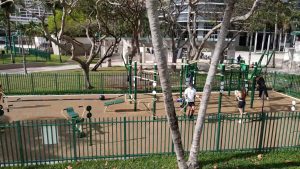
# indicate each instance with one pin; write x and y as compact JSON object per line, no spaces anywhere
{"x":161,"y":58}
{"x":8,"y":7}
{"x":193,"y":160}
{"x":32,"y":31}
{"x":21,"y":32}
{"x":166,"y":87}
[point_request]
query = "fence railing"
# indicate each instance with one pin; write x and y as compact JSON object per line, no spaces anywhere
{"x":117,"y":82}
{"x":39,"y":53}
{"x":51,"y":141}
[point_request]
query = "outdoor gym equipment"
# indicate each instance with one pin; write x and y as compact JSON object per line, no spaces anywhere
{"x":101,"y":97}
{"x":89,"y":116}
{"x":244,"y":76}
{"x":257,"y":70}
{"x":188,"y":74}
{"x":133,"y":96}
{"x":74,"y":117}
{"x":4,"y":101}
{"x":112,"y":102}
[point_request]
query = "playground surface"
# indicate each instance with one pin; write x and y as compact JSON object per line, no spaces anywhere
{"x":50,"y":107}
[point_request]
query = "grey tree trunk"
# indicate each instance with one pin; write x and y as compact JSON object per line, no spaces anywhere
{"x":161,"y":57}
{"x":7,"y":15}
{"x":250,"y":48}
{"x":193,"y":161}
{"x":263,"y":41}
{"x":23,"y":54}
{"x":274,"y":43}
{"x":86,"y":73}
{"x":255,"y":42}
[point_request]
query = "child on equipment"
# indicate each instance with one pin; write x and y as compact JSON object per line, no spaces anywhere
{"x":241,"y":98}
{"x":260,"y":81}
{"x":190,"y":94}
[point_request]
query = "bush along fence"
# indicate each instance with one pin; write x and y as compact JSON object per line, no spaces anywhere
{"x":117,"y":82}
{"x":39,"y":53}
{"x":52,"y":141}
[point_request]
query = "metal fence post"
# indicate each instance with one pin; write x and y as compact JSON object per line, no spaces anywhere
{"x":125,"y":143}
{"x":252,"y":91}
{"x":181,"y":80}
{"x":101,"y":83}
{"x":7,"y":82}
{"x":32,"y":83}
{"x":135,"y":86}
{"x":20,"y":142}
{"x":154,"y":89}
{"x":274,"y":80}
{"x":220,"y":106}
{"x":230,"y":82}
{"x":79,"y":84}
{"x":56,"y":82}
{"x":261,"y":134}
{"x":74,"y":139}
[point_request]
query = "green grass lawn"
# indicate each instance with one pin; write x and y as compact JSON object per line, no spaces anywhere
{"x":107,"y":70}
{"x":237,"y":160}
{"x":33,"y":59}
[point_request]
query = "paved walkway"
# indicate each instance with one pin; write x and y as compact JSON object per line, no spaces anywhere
{"x":119,"y":62}
{"x":52,"y":68}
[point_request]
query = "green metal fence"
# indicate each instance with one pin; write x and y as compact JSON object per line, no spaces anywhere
{"x":286,"y":83}
{"x":39,"y":53}
{"x":52,"y":141}
{"x":117,"y":82}
{"x":62,"y":83}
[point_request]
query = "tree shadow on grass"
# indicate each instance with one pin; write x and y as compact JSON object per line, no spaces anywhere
{"x":227,"y":158}
{"x":246,"y":155}
{"x":266,"y":166}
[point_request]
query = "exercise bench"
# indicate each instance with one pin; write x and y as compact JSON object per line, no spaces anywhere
{"x":113,"y":102}
{"x":74,"y":116}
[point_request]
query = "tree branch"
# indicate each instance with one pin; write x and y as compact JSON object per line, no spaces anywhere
{"x":234,"y":19}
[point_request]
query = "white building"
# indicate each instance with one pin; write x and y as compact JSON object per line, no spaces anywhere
{"x":210,"y":14}
{"x":32,"y":7}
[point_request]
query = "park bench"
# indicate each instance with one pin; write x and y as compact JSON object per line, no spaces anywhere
{"x":75,"y":116}
{"x":72,"y":113}
{"x":112,"y":102}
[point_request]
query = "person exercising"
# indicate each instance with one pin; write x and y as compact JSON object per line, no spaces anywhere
{"x":241,"y":98}
{"x":262,"y":87}
{"x":190,"y":94}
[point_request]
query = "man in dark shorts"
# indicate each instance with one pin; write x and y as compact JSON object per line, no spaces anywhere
{"x":190,"y":94}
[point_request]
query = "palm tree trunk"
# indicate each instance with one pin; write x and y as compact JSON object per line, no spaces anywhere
{"x":263,"y":41}
{"x":23,"y":54}
{"x":193,"y":161}
{"x":9,"y":35}
{"x":274,"y":43}
{"x":161,"y":57}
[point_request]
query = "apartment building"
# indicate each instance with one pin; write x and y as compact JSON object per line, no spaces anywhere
{"x":33,"y":7}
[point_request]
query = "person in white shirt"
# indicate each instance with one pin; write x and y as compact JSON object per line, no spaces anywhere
{"x":190,"y":94}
